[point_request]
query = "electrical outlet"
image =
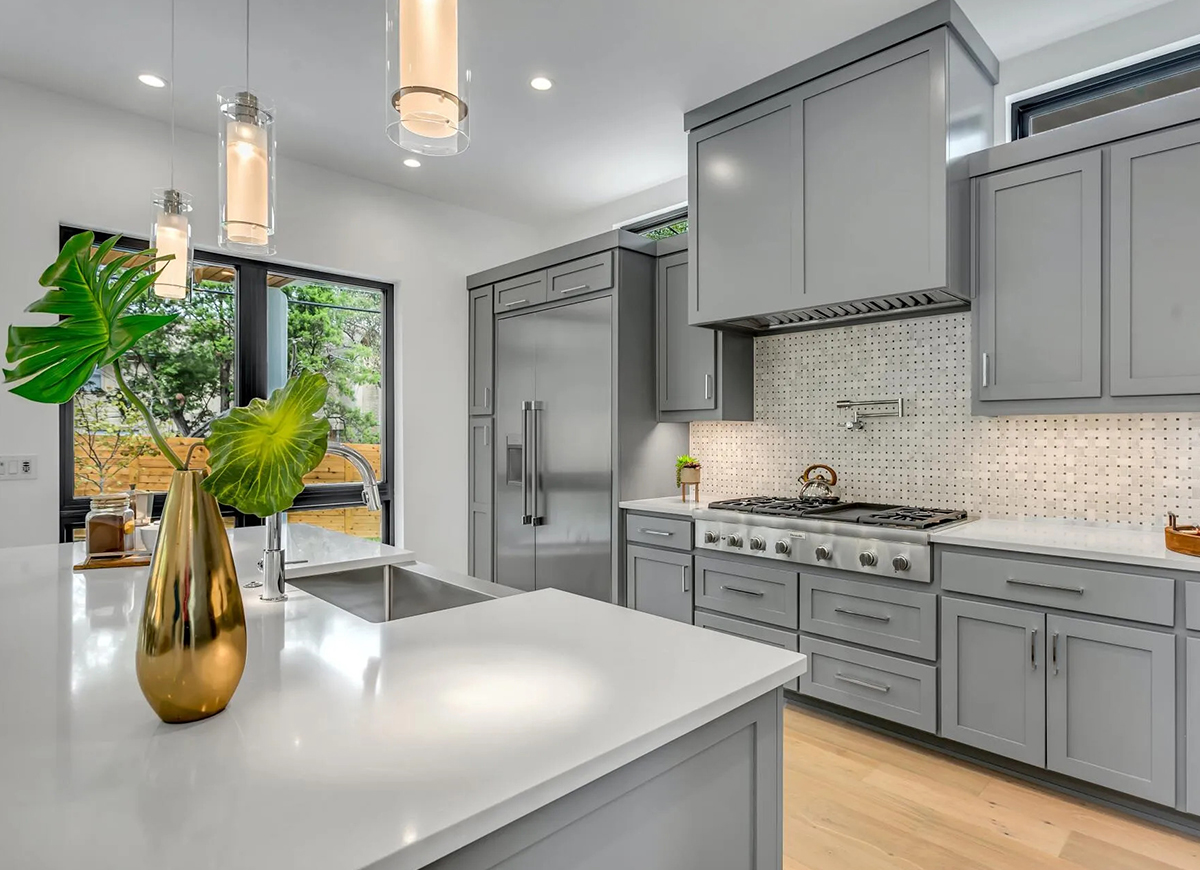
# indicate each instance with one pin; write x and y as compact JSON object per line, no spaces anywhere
{"x":18,"y":468}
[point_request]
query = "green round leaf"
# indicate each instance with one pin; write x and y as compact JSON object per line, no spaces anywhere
{"x":259,"y":454}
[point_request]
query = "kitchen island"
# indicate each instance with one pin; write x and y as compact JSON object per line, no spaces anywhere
{"x":538,"y":730}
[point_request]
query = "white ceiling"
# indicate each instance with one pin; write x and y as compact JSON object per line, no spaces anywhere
{"x":624,"y":71}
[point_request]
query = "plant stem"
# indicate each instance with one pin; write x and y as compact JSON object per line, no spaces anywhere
{"x":145,"y":412}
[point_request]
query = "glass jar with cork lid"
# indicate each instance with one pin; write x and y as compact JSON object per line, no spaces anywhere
{"x":109,"y":526}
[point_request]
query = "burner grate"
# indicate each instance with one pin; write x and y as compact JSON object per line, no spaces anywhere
{"x":913,"y":518}
{"x":773,"y":506}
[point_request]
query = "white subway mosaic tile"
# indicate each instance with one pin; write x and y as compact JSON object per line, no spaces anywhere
{"x":1125,"y":468}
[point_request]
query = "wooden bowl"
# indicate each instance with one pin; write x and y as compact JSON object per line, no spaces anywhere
{"x":1184,"y":539}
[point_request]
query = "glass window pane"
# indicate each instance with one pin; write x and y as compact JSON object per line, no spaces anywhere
{"x":337,"y":330}
{"x":184,"y":372}
{"x":356,"y":521}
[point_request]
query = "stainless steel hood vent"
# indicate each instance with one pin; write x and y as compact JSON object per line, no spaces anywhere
{"x":884,"y":307}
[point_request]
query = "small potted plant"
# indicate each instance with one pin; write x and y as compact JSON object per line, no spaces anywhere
{"x":687,"y":473}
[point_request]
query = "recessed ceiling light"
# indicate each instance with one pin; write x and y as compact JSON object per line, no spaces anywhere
{"x":412,"y":163}
{"x":152,"y":80}
{"x":541,"y":83}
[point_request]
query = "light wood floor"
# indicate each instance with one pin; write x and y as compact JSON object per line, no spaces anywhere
{"x":855,"y":800}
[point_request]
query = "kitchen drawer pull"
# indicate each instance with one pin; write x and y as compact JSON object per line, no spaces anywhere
{"x":656,"y":532}
{"x":866,"y":684}
{"x":516,"y":302}
{"x":846,"y":612}
{"x":574,"y":289}
{"x":1074,"y":590}
{"x":743,"y":591}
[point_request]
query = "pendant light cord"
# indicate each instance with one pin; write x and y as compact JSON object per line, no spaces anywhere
{"x":247,"y":46}
{"x":172,"y":157}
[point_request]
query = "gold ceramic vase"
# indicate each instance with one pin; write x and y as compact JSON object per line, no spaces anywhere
{"x":191,"y":646}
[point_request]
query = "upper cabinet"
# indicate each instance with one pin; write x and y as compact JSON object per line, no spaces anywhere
{"x":1088,"y":219}
{"x":480,"y":341}
{"x":702,"y":374}
{"x":837,"y":199}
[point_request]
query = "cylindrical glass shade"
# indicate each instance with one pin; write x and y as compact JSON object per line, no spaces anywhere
{"x":172,"y":234}
{"x":246,"y":173}
{"x":427,"y":86}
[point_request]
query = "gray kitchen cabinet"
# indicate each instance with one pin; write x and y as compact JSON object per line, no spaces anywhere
{"x":660,"y":582}
{"x":1038,"y":280}
{"x":1193,"y":725}
{"x":702,"y":374}
{"x":481,"y":339}
{"x":993,"y":687}
{"x":513,"y":294}
{"x":741,"y":176}
{"x":479,"y":498}
{"x":751,"y":631}
{"x":1154,"y":260}
{"x":1110,"y":706}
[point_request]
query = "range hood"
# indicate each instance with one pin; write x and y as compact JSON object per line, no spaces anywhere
{"x":843,"y":313}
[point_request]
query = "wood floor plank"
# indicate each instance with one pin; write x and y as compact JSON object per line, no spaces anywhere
{"x":858,"y":800}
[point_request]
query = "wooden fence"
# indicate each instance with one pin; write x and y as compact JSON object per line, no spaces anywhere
{"x":153,"y":472}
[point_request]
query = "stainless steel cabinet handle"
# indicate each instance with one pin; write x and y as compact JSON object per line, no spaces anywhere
{"x":1054,"y":651}
{"x":866,"y":684}
{"x":1074,"y":590}
{"x":656,"y":532}
{"x":574,"y":289}
{"x":687,"y":587}
{"x":846,"y":612}
{"x":743,"y":591}
{"x":487,"y":435}
{"x":516,"y":302}
{"x":986,"y":373}
{"x":1033,"y":648}
{"x":708,"y":386}
{"x":487,"y":397}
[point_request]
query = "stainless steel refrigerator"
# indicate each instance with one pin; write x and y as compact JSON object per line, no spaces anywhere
{"x":554,"y":487}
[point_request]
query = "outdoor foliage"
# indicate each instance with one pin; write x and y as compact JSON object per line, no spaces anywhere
{"x":107,"y":438}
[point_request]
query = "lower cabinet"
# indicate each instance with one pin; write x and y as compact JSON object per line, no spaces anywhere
{"x":1110,"y":706}
{"x":993,"y":679}
{"x":1086,"y":699}
{"x":479,"y":499}
{"x":750,"y":631}
{"x":1193,"y":725}
{"x":659,"y":582}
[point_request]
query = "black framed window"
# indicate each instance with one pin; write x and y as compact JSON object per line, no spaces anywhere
{"x":661,"y":226}
{"x":1138,"y":83}
{"x":246,"y":327}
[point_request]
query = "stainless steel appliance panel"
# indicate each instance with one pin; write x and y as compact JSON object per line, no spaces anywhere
{"x":516,"y":360}
{"x":571,"y":457}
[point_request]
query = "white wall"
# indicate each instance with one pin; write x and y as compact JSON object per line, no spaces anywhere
{"x":602,"y":218}
{"x":65,"y":160}
{"x":1093,"y":51}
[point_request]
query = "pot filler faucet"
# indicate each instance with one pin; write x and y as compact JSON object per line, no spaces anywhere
{"x":274,"y":560}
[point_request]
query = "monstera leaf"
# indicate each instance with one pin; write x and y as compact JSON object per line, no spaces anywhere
{"x":259,"y":454}
{"x":51,"y":362}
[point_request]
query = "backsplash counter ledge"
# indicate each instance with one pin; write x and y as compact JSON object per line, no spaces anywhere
{"x":1117,"y":468}
{"x":1072,"y":539}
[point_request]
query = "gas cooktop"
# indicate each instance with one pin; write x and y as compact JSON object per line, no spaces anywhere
{"x":833,"y":510}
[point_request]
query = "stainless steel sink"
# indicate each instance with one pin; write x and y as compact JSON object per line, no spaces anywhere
{"x":388,"y":592}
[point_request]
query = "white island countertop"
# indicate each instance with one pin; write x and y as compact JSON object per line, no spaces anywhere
{"x":1072,"y":539}
{"x":347,"y":742}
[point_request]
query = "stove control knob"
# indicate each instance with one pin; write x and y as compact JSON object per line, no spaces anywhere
{"x":735,"y":540}
{"x":757,"y":543}
{"x":901,"y":563}
{"x":823,"y":554}
{"x":783,"y":548}
{"x":867,"y":560}
{"x":710,"y":537}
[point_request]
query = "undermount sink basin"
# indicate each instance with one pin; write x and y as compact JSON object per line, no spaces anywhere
{"x":388,"y":592}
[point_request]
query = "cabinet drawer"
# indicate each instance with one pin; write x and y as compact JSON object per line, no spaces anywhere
{"x":762,"y":634}
{"x":1192,"y":605}
{"x":581,"y":276}
{"x":874,"y":683}
{"x":1069,"y":587}
{"x":898,"y":620}
{"x":658,"y":531}
{"x":762,"y":594}
{"x":521,"y":292}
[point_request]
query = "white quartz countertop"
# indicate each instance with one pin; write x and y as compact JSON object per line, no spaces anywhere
{"x":347,"y":742}
{"x":672,"y":505}
{"x":1105,"y":542}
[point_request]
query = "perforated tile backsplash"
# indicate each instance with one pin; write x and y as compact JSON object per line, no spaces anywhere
{"x":1116,"y":468}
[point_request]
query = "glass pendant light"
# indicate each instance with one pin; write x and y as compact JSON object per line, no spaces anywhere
{"x":427,"y":87}
{"x":246,"y":167}
{"x":171,"y":233}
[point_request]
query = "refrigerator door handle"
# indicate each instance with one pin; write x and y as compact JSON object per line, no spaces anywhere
{"x":536,"y":408}
{"x":526,"y":510}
